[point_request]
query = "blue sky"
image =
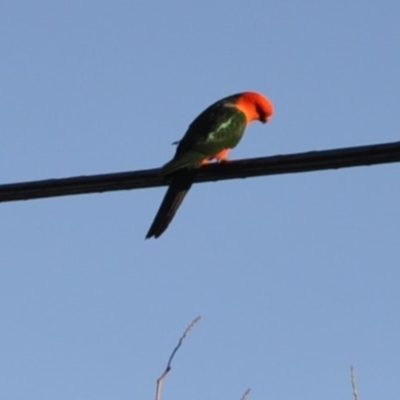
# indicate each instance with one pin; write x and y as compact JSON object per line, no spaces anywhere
{"x":296,"y":276}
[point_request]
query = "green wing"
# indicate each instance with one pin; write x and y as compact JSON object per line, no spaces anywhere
{"x":219,"y":127}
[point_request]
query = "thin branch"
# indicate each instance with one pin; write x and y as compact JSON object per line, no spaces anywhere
{"x":245,"y":394}
{"x":168,"y":368}
{"x":354,"y":383}
{"x":283,"y":164}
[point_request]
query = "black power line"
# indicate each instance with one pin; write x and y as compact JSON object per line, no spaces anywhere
{"x":283,"y":164}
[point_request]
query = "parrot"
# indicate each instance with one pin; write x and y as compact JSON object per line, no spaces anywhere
{"x":210,"y":136}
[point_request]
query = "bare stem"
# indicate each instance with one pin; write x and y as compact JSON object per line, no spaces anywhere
{"x":168,"y":368}
{"x":354,"y":383}
{"x":245,"y":394}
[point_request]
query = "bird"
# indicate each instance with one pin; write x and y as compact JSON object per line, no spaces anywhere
{"x":211,"y":135}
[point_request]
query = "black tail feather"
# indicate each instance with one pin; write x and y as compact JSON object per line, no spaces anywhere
{"x":179,"y":186}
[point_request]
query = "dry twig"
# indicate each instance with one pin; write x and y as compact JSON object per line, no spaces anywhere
{"x":245,"y":394}
{"x":168,"y":368}
{"x":354,"y":383}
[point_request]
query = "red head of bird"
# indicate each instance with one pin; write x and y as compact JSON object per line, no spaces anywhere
{"x":255,"y":106}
